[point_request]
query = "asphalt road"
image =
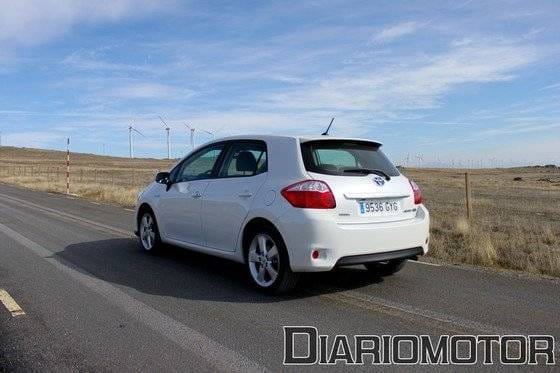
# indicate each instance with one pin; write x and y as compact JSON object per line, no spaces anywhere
{"x":94,"y":301}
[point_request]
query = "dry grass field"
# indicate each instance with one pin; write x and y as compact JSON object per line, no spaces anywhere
{"x":102,"y":179}
{"x":515,"y":224}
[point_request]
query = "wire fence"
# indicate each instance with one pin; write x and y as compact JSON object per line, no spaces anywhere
{"x":82,"y":175}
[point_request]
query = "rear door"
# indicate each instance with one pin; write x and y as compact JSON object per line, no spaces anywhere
{"x":228,"y":198}
{"x":366,"y":185}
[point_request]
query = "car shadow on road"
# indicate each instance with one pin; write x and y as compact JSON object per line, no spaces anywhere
{"x":182,"y":273}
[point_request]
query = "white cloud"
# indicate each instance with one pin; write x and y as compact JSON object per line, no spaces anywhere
{"x":32,"y":22}
{"x":148,"y":90}
{"x":419,"y":84}
{"x":396,"y":31}
{"x":551,"y":86}
{"x":461,"y":42}
{"x":32,"y":139}
{"x":92,"y":60}
{"x":237,"y":122}
{"x":524,"y":128}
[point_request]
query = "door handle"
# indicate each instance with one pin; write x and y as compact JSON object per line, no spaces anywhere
{"x":196,"y":195}
{"x":245,"y":194}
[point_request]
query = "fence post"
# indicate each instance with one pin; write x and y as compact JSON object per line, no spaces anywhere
{"x":68,"y":166}
{"x":468,"y":196}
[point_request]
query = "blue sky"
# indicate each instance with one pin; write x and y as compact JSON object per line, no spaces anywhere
{"x":449,"y":83}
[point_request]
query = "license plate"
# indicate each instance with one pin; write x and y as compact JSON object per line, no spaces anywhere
{"x":379,"y":207}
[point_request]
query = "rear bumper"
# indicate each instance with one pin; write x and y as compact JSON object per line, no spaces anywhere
{"x":380,"y":257}
{"x":306,"y":230}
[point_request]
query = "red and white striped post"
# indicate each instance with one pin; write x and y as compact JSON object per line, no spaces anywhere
{"x":68,"y":166}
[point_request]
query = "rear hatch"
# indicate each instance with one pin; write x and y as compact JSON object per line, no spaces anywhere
{"x":367,"y":187}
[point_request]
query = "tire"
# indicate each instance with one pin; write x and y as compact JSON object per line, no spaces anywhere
{"x":148,"y":233}
{"x":268,"y":264}
{"x":386,"y":268}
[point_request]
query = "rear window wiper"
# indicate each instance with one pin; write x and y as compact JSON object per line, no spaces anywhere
{"x":367,"y":171}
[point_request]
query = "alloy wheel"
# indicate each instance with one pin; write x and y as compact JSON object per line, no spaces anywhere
{"x":147,"y":232}
{"x":264,"y":260}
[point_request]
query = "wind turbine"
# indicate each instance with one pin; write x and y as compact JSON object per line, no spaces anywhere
{"x":220,"y":130}
{"x":130,"y":147}
{"x":168,"y":141}
{"x":210,"y":133}
{"x":191,"y":129}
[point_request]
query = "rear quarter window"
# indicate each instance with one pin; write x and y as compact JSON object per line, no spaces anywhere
{"x":333,"y":157}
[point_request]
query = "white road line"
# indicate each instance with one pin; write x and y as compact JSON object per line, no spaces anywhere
{"x":425,"y":263}
{"x":58,"y":213}
{"x":129,"y":210}
{"x":412,"y":313}
{"x":10,"y":304}
{"x":218,"y":356}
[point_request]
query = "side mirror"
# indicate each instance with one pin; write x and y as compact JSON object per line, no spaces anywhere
{"x":162,"y":177}
{"x":165,"y":179}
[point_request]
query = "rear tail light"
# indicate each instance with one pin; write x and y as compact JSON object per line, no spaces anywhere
{"x":417,"y":192}
{"x":310,"y":194}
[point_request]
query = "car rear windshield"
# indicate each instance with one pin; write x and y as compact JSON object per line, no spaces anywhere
{"x":345,"y":157}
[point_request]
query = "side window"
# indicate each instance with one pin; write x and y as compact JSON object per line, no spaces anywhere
{"x":199,"y":166}
{"x":245,"y":159}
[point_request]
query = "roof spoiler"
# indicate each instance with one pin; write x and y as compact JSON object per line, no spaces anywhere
{"x":327,"y":139}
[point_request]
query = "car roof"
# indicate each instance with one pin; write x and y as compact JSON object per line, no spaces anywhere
{"x":297,"y":138}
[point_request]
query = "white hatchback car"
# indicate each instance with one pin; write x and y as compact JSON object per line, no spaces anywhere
{"x":284,"y":205}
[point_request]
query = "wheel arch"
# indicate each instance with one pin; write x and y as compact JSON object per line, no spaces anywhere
{"x":251,"y":226}
{"x":143,"y":208}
